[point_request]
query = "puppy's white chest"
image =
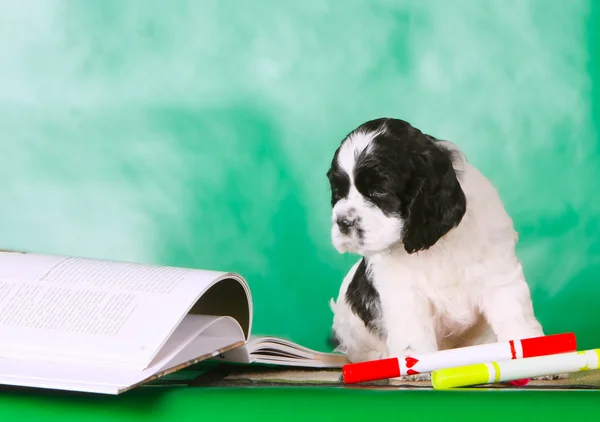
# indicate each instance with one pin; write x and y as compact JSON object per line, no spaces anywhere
{"x":453,"y":307}
{"x":450,"y":297}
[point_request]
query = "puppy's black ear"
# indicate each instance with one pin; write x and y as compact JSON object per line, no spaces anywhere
{"x":437,"y":201}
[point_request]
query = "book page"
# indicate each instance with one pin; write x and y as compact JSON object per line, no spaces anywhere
{"x":186,"y":342}
{"x":196,"y":338}
{"x":273,"y":350}
{"x":92,"y":309}
{"x":277,"y":351}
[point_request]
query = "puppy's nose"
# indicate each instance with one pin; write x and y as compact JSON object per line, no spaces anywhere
{"x":344,"y":224}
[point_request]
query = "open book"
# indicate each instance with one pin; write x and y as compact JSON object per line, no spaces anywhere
{"x":102,"y":326}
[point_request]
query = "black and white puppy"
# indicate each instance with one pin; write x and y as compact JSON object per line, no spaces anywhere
{"x":438,"y":267}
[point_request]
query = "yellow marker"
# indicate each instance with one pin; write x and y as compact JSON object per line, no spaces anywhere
{"x":510,"y":370}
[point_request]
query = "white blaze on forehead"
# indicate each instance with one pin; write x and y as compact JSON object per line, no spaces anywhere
{"x":353,"y":146}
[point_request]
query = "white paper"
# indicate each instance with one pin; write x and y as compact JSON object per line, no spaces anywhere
{"x":196,"y":336}
{"x":92,"y":309}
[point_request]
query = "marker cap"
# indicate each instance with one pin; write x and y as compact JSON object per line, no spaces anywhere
{"x":460,"y":376}
{"x":371,"y":370}
{"x":549,"y":345}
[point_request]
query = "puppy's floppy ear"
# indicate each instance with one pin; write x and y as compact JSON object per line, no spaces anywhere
{"x":437,"y":202}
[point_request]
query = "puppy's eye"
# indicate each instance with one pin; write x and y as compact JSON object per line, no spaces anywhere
{"x":377,"y":192}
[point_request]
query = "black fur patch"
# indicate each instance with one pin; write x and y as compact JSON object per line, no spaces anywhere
{"x":339,"y":181}
{"x":363,"y":298}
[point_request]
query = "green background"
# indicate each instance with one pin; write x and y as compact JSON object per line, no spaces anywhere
{"x":198,"y":133}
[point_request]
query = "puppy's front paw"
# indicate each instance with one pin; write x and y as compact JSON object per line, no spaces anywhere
{"x":365,"y":355}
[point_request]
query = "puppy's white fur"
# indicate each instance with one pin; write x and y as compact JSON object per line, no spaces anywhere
{"x":467,"y":289}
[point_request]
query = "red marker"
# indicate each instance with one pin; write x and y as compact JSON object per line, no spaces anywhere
{"x":425,"y":363}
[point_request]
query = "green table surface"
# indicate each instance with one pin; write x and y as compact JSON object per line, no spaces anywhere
{"x":309,"y":404}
